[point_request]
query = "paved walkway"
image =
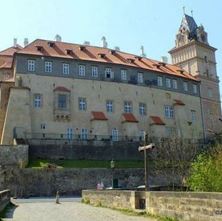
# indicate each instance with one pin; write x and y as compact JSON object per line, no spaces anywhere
{"x":68,"y":211}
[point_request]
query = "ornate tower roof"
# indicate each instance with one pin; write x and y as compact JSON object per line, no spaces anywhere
{"x":189,"y":30}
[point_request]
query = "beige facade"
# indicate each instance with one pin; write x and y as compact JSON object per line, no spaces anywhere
{"x":26,"y":118}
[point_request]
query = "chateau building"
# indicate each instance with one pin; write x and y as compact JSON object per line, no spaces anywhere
{"x":59,"y":90}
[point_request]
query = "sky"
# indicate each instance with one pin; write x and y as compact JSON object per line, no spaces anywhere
{"x":125,"y":23}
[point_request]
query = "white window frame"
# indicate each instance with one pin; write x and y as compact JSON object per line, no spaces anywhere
{"x":142,"y":109}
{"x":65,"y":69}
{"x":82,"y":70}
{"x":159,"y":81}
{"x":95,"y":73}
{"x":123,"y":74}
{"x":48,"y":66}
{"x":115,"y":134}
{"x":193,"y":116}
{"x":82,"y":104}
{"x":168,"y":82}
{"x":37,"y":100}
{"x":169,"y":111}
{"x":174,"y":83}
{"x":140,"y":78}
{"x":108,"y":73}
{"x":70,"y":133}
{"x":128,"y":107}
{"x":194,"y":88}
{"x":84,"y":134}
{"x":31,"y":65}
{"x":185,"y":86}
{"x":109,"y":106}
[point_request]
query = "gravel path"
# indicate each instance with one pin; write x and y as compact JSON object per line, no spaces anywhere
{"x":69,"y":211}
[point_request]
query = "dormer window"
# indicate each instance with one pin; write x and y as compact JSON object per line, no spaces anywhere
{"x":39,"y":48}
{"x":112,"y":52}
{"x":69,"y":51}
{"x":138,"y":58}
{"x":102,"y":55}
{"x":82,"y":48}
{"x":51,"y":44}
{"x":130,"y":60}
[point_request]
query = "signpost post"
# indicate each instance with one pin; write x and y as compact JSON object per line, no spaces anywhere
{"x":144,"y":148}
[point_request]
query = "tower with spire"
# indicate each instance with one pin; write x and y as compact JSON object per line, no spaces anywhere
{"x":193,"y":53}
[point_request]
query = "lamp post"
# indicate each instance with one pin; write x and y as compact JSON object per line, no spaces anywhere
{"x":112,"y":166}
{"x":144,"y":148}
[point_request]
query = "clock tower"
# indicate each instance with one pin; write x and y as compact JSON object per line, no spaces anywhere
{"x":193,"y":53}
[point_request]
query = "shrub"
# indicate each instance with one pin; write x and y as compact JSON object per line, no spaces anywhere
{"x":205,"y":173}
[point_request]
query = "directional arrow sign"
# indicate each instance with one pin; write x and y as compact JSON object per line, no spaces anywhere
{"x":150,"y":146}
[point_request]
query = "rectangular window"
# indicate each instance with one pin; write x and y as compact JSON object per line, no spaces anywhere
{"x":169,"y":111}
{"x":140,"y":78}
{"x":142,"y":109}
{"x":210,"y":92}
{"x":123,"y":75}
{"x":170,"y":131}
{"x":69,"y":133}
{"x":159,"y":81}
{"x":48,"y":66}
{"x":31,"y":65}
{"x":82,"y":70}
{"x":109,"y":73}
{"x":82,"y":104}
{"x":194,"y":88}
{"x":65,"y":68}
{"x":174,"y":84}
{"x":193,"y":116}
{"x":168,"y":83}
{"x":62,"y":101}
{"x":37,"y":100}
{"x":115,"y":135}
{"x":43,"y":126}
{"x":142,"y":135}
{"x":109,"y":106}
{"x":128,"y":107}
{"x":84,"y":134}
{"x":94,"y":71}
{"x":185,"y":86}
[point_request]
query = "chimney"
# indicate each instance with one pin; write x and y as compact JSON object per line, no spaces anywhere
{"x":26,"y":42}
{"x":15,"y":42}
{"x":86,"y":43}
{"x":104,"y":42}
{"x":58,"y":38}
{"x":164,"y":59}
{"x":117,"y":48}
{"x":142,"y":51}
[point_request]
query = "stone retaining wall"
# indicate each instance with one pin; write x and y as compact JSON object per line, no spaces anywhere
{"x":185,"y":206}
{"x":14,"y":155}
{"x":90,"y":150}
{"x":4,"y":199}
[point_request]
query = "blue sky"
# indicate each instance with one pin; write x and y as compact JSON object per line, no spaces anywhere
{"x":125,"y":23}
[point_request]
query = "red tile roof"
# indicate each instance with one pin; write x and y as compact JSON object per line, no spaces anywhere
{"x":129,"y":117}
{"x":10,"y":51}
{"x":178,"y":102}
{"x":156,"y":120}
{"x":62,"y":89}
{"x":92,"y":53}
{"x":96,"y":115}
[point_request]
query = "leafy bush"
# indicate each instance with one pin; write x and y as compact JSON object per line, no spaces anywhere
{"x":205,"y":174}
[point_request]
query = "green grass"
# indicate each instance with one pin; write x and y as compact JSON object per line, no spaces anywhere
{"x":85,"y":163}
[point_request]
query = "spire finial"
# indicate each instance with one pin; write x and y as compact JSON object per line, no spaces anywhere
{"x":192,"y":13}
{"x":184,"y":8}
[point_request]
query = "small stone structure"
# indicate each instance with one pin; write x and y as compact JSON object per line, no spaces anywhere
{"x":187,"y":206}
{"x":4,"y":199}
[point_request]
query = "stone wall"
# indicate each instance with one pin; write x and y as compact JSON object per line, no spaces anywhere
{"x":16,"y":155}
{"x":187,"y":206}
{"x":4,"y":199}
{"x":45,"y":182}
{"x":91,"y":151}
